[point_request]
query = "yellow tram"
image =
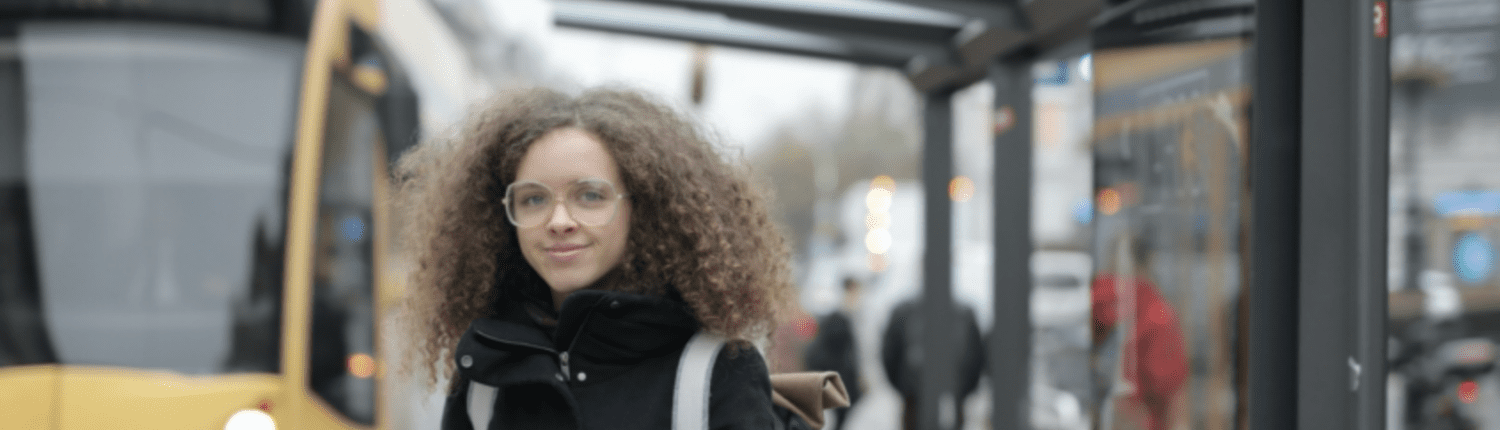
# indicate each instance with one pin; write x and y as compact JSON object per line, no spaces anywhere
{"x":192,"y":228}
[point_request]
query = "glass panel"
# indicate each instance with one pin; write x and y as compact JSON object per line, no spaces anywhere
{"x":1061,"y":233}
{"x":155,"y":160}
{"x":1169,"y":191}
{"x":343,"y":323}
{"x":1444,"y":215}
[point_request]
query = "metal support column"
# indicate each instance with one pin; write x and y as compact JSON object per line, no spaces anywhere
{"x":937,"y":384}
{"x":1275,"y":175}
{"x":1009,"y":345}
{"x":1345,"y":114}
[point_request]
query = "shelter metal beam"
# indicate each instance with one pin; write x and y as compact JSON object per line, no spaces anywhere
{"x":1275,"y":178}
{"x":939,"y":369}
{"x":1345,"y":155}
{"x":874,"y":17}
{"x":1009,"y":346}
{"x":720,"y":30}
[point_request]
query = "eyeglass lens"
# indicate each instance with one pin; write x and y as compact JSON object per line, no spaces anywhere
{"x":590,"y":201}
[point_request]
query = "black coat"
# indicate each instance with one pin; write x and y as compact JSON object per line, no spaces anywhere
{"x":900,"y":348}
{"x":620,"y":369}
{"x":836,"y":349}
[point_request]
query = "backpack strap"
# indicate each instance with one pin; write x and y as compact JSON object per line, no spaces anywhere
{"x":481,"y":404}
{"x":694,"y":372}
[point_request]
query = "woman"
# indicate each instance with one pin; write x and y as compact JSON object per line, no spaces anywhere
{"x":568,"y":247}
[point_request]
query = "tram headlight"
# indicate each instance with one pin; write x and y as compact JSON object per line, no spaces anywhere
{"x":250,"y":419}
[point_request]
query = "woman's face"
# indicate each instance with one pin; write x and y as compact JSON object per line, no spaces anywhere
{"x":571,"y":255}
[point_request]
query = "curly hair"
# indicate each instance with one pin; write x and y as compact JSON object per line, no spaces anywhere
{"x":699,"y":224}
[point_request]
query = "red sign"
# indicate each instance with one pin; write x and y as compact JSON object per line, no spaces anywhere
{"x":1382,"y":19}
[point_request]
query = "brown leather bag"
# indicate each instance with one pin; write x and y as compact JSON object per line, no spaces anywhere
{"x":807,"y":394}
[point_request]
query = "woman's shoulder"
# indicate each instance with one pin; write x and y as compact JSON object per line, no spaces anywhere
{"x":739,"y":356}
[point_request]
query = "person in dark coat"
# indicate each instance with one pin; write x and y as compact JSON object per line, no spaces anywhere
{"x":568,"y":247}
{"x":836,"y":349}
{"x":901,"y":353}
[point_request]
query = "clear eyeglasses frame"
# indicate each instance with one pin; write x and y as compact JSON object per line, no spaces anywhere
{"x":590,"y":201}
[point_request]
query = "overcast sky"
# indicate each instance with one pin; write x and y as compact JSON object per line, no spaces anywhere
{"x":748,"y":96}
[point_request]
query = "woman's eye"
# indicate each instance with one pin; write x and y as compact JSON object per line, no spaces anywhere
{"x":592,"y":196}
{"x":533,"y":200}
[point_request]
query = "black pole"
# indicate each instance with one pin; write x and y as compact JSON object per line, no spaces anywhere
{"x":937,"y":390}
{"x":1010,"y":344}
{"x":1275,"y":175}
{"x":1345,"y":108}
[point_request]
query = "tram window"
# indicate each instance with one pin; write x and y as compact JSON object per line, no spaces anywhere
{"x":342,"y":346}
{"x":153,"y":159}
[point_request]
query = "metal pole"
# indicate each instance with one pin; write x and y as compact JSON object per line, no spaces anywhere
{"x":1275,"y":175}
{"x":937,"y":385}
{"x":1345,"y":107}
{"x":1010,"y":344}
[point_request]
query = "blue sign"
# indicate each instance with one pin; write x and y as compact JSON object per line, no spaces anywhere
{"x":1467,"y":203}
{"x":1058,"y":75}
{"x":1473,"y":258}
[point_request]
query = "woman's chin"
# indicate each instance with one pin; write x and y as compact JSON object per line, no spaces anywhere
{"x":567,"y":285}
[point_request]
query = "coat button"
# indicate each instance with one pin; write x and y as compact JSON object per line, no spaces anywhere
{"x":614,"y":305}
{"x":466,"y":361}
{"x":582,"y":377}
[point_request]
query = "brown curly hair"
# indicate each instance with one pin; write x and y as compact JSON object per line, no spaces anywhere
{"x":698,"y":223}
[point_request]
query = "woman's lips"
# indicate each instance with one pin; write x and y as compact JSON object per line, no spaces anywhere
{"x":564,"y":253}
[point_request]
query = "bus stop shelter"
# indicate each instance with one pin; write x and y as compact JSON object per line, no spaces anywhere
{"x":1316,"y":170}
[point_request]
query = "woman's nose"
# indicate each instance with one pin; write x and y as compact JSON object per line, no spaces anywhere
{"x":561,"y":221}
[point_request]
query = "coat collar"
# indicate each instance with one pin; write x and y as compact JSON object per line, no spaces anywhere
{"x":607,"y":326}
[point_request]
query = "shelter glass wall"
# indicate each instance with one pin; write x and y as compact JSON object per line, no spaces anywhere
{"x":1444,"y":218}
{"x":1170,"y":194}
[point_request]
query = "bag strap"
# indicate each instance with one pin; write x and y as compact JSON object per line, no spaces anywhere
{"x":694,"y":372}
{"x":481,"y":404}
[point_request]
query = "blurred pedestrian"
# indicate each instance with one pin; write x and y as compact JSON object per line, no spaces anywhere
{"x":1140,"y":366}
{"x":836,"y":349}
{"x":568,"y":247}
{"x":901,"y":351}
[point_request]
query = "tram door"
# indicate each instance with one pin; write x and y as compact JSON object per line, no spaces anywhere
{"x":1170,"y":192}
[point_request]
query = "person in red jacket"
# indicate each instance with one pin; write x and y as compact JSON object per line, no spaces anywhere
{"x":1142,"y":376}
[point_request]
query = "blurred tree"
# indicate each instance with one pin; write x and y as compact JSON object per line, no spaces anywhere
{"x":787,"y":165}
{"x":880,"y":135}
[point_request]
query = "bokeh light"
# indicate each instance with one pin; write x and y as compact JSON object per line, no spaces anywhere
{"x":1109,"y":201}
{"x":878,"y":241}
{"x":1473,"y":258}
{"x":250,"y":419}
{"x":361,"y":365}
{"x":878,"y":200}
{"x":961,"y":189}
{"x":352,"y":228}
{"x":1468,"y":391}
{"x":878,"y":263}
{"x":806,"y":327}
{"x":1083,"y":210}
{"x":883,"y":182}
{"x":877,"y":220}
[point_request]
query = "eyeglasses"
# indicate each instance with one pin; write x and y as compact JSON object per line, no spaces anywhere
{"x":590,"y":201}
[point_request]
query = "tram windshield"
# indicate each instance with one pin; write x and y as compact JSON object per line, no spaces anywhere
{"x":142,"y":195}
